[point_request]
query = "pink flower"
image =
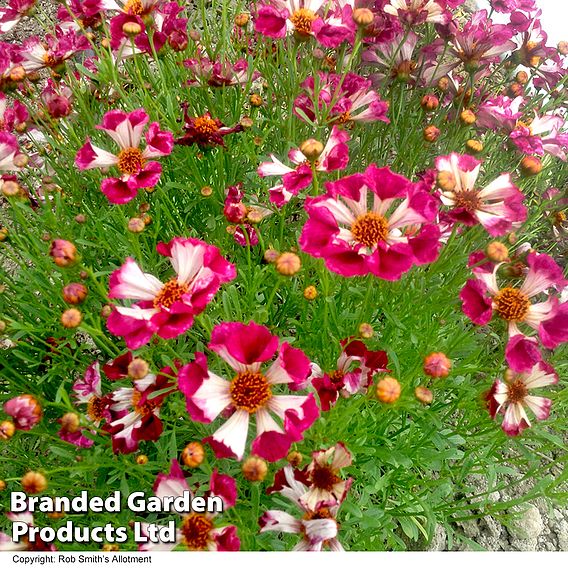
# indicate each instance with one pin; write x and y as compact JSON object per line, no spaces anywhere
{"x":356,"y":367}
{"x":335,"y":156}
{"x":8,"y":545}
{"x":87,"y":390}
{"x":317,"y":527}
{"x":25,"y":410}
{"x":498,"y":206}
{"x":251,"y":392}
{"x":414,"y":12}
{"x":482,"y":297}
{"x":219,"y":73}
{"x":499,"y":113}
{"x":13,"y":13}
{"x":541,"y":136}
{"x":12,"y":116}
{"x":351,"y":229}
{"x":341,"y":99}
{"x":9,"y":149}
{"x":135,"y":411}
{"x":132,"y":162}
{"x":167,"y":309}
{"x":510,"y":398}
{"x":198,"y":531}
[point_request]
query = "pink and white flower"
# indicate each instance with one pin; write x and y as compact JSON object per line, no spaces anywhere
{"x":12,"y":117}
{"x":87,"y":390}
{"x":167,"y":309}
{"x":25,"y":410}
{"x":498,"y":206}
{"x":500,"y":113}
{"x":219,"y":73}
{"x":132,"y":162}
{"x":11,"y":14}
{"x":335,"y":156}
{"x":8,"y":545}
{"x":512,"y":396}
{"x":9,"y":149}
{"x":482,"y":297}
{"x":541,"y":136}
{"x":251,"y":392}
{"x":350,"y":227}
{"x":414,"y":12}
{"x":198,"y":531}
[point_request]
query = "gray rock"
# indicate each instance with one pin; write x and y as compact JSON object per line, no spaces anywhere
{"x":528,"y":525}
{"x":562,"y":532}
{"x":524,"y":545}
{"x":439,"y":539}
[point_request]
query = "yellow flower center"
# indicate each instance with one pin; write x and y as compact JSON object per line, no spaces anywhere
{"x":171,"y":292}
{"x":134,"y":7}
{"x":511,"y":304}
{"x":145,"y":408}
{"x":250,"y":391}
{"x":95,"y":408}
{"x":467,"y":200}
{"x":206,"y":125}
{"x":302,"y":21}
{"x":131,"y":161}
{"x":370,"y":228}
{"x":195,"y":530}
{"x":324,"y":477}
{"x":516,"y":391}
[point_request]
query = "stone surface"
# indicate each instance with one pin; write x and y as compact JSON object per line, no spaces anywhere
{"x":528,"y":525}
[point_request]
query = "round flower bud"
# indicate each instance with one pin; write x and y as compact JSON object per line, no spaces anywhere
{"x":71,"y":318}
{"x":105,"y":43}
{"x":288,"y":264}
{"x":144,"y":207}
{"x":34,"y":482}
{"x":21,"y":160}
{"x":310,"y":293}
{"x":246,"y":122}
{"x":80,"y":218}
{"x":522,"y":77}
{"x":56,"y":515}
{"x":131,"y":28}
{"x":110,"y":547}
{"x":3,"y":234}
{"x":147,"y":219}
{"x":473,"y":146}
{"x":363,"y":17}
{"x":429,"y":103}
{"x":241,"y":20}
{"x":271,"y":255}
{"x":7,"y":430}
{"x":467,"y":117}
{"x":141,"y":459}
{"x":106,"y":310}
{"x":294,"y":458}
{"x":70,"y":422}
{"x":437,"y":365}
{"x":3,"y":326}
{"x":431,"y":133}
{"x":388,"y":390}
{"x":195,"y":35}
{"x":563,"y":47}
{"x":311,"y":148}
{"x":424,"y":395}
{"x":443,"y":84}
{"x":254,"y":216}
{"x":254,"y":469}
{"x":366,"y":331}
{"x":11,"y":188}
{"x":193,"y":454}
{"x":206,"y":191}
{"x":138,"y":368}
{"x":17,"y":74}
{"x":75,"y":293}
{"x":136,"y":225}
{"x":2,"y":485}
{"x":255,"y":100}
{"x":497,"y":252}
{"x":446,"y":181}
{"x":63,"y":252}
{"x":515,"y":89}
{"x":531,"y":166}
{"x":318,"y":54}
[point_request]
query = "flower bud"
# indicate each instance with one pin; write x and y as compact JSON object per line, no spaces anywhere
{"x":106,"y":310}
{"x":446,"y":181}
{"x":424,"y":395}
{"x":141,"y":459}
{"x":195,"y":35}
{"x":17,"y":74}
{"x":515,"y":89}
{"x":443,"y":84}
{"x":193,"y":454}
{"x":7,"y":430}
{"x":21,"y":160}
{"x":178,"y":40}
{"x":522,"y":77}
{"x":80,"y":218}
{"x":310,"y":293}
{"x":2,"y":485}
{"x":241,"y":20}
{"x":63,"y":252}
{"x":429,"y":103}
{"x":138,"y":368}
{"x":437,"y":365}
{"x":110,"y":547}
{"x":255,"y":100}
{"x":235,"y":212}
{"x":497,"y":252}
{"x":254,"y":469}
{"x":366,"y":331}
{"x":271,"y":255}
{"x":34,"y":482}
{"x":70,"y":422}
{"x":75,"y":293}
{"x":206,"y":191}
{"x":311,"y":148}
{"x":71,"y":318}
{"x":11,"y":188}
{"x":288,"y":264}
{"x":388,"y":390}
{"x":363,"y":17}
{"x":563,"y":47}
{"x":132,"y":28}
{"x":294,"y":458}
{"x":431,"y":133}
{"x":25,"y":410}
{"x":530,"y":166}
{"x":473,"y":146}
{"x":3,"y":326}
{"x":467,"y":117}
{"x":136,"y":225}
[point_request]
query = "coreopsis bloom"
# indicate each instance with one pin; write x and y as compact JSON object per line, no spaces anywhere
{"x":356,"y":367}
{"x":13,"y":116}
{"x":198,"y":531}
{"x":330,"y":23}
{"x":132,"y":162}
{"x":167,"y":309}
{"x":131,"y":7}
{"x":498,"y":207}
{"x":499,"y":113}
{"x":317,"y":527}
{"x":80,"y":14}
{"x":87,"y":390}
{"x":340,"y":99}
{"x":135,"y":411}
{"x":355,"y":229}
{"x":9,"y":149}
{"x":219,"y":73}
{"x":541,"y":136}
{"x":512,"y":396}
{"x":415,"y":12}
{"x":205,"y":131}
{"x":25,"y":410}
{"x":335,"y":156}
{"x":8,"y":545}
{"x":11,"y":14}
{"x":482,"y":297}
{"x":251,"y":392}
{"x":57,"y":98}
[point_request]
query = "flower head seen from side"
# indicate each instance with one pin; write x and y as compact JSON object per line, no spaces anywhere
{"x":251,"y":392}
{"x":357,"y":230}
{"x":25,"y":410}
{"x":318,"y":527}
{"x":136,"y":166}
{"x":8,"y":545}
{"x":483,"y":297}
{"x":415,"y":12}
{"x":198,"y":531}
{"x":205,"y":131}
{"x":498,"y":207}
{"x":512,"y":397}
{"x":167,"y":309}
